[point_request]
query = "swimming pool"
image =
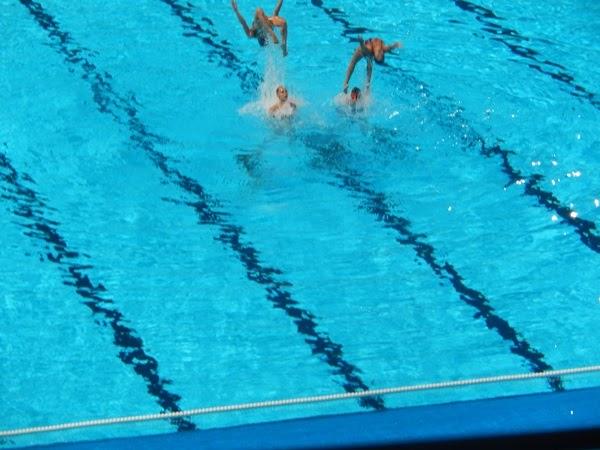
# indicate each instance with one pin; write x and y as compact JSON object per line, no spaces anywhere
{"x":164,"y":250}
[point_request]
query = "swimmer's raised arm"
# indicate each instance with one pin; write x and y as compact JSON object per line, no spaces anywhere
{"x":249,"y":32}
{"x":277,"y":8}
{"x":369,"y":73}
{"x":358,"y":54}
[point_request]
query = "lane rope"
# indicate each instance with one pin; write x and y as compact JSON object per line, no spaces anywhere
{"x":300,"y":400}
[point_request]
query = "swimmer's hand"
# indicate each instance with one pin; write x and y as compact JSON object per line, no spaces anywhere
{"x":394,"y":45}
{"x":345,"y":88}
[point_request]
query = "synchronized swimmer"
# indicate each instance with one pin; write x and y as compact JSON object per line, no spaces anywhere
{"x":284,"y":106}
{"x":355,"y":99}
{"x":262,"y":26}
{"x":262,"y":29}
{"x":373,"y":49}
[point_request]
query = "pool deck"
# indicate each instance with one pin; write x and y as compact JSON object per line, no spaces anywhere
{"x":568,"y":419}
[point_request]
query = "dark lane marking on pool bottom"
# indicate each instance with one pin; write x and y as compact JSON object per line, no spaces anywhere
{"x":30,"y":207}
{"x":520,"y":346}
{"x":231,"y":235}
{"x":376,"y":205}
{"x":109,"y":102}
{"x":503,"y":35}
{"x":337,"y":15}
{"x":250,"y":79}
{"x":583,"y":227}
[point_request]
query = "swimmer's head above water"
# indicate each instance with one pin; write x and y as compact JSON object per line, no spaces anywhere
{"x":355,"y":95}
{"x":283,"y":103}
{"x":282,"y":93}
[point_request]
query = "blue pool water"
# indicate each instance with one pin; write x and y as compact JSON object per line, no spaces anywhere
{"x":166,"y":246}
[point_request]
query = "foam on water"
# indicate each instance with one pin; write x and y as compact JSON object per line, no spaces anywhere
{"x":274,"y":75}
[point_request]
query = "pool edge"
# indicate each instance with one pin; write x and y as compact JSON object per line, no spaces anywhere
{"x":569,"y":419}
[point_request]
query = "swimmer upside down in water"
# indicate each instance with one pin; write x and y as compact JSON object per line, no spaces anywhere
{"x":262,"y":26}
{"x":371,"y":49}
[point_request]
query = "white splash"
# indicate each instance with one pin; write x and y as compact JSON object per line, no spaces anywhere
{"x":274,"y":75}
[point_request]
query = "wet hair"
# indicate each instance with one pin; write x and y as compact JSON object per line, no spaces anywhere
{"x":281,"y":93}
{"x":355,"y":93}
{"x":262,"y":40}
